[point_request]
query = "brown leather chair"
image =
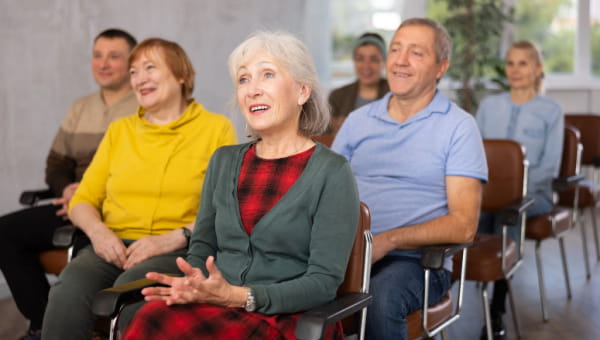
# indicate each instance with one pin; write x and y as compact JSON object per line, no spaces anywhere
{"x":558,"y":221}
{"x":352,"y":297}
{"x":325,"y":139}
{"x":589,"y":191}
{"x":430,"y":320}
{"x":53,"y":261}
{"x":495,"y":257}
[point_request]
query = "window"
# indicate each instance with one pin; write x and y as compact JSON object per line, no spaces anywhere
{"x":351,"y":18}
{"x":595,"y":37}
{"x":552,"y":25}
{"x":568,"y":31}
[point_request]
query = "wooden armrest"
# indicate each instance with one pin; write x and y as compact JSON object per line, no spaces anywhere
{"x":31,"y":197}
{"x":433,"y":256}
{"x":313,"y":323}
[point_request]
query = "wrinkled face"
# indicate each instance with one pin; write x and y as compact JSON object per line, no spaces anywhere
{"x":154,"y":84}
{"x":368,"y":64}
{"x":269,"y":98}
{"x":521,"y":69}
{"x":109,"y":63}
{"x":412,"y":69}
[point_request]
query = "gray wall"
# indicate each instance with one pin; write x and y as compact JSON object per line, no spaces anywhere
{"x":46,"y":51}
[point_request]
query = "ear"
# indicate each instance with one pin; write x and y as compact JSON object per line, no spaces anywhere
{"x":539,"y":70}
{"x":443,"y":67}
{"x":304,"y":94}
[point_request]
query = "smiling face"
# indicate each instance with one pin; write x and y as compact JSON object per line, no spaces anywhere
{"x":109,"y":63}
{"x":522,"y":69}
{"x":412,"y":69}
{"x":269,"y":97}
{"x":154,"y":84}
{"x":368,"y":64}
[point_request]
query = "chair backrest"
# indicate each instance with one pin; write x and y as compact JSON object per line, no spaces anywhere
{"x":507,"y":170}
{"x":358,"y":271}
{"x":589,"y":128}
{"x":571,"y":155}
{"x":325,"y":139}
{"x":353,"y":281}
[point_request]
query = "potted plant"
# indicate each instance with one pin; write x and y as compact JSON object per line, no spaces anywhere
{"x":475,"y":27}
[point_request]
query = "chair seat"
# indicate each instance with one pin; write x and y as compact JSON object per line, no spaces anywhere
{"x":53,"y":261}
{"x":437,"y":314}
{"x":589,"y":196}
{"x":540,"y":227}
{"x":484,"y":262}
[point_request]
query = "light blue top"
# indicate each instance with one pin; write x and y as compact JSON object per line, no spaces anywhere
{"x":401,"y":168}
{"x":539,"y":126}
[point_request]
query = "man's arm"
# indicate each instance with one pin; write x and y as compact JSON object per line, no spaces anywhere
{"x":60,"y":172}
{"x":459,"y":226}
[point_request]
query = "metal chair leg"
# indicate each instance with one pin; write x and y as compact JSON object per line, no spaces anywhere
{"x":561,"y":245}
{"x":595,"y":231}
{"x":444,"y":334}
{"x":538,"y":260}
{"x":585,"y":248}
{"x":513,"y":309}
{"x":486,"y":311}
{"x":363,"y":322}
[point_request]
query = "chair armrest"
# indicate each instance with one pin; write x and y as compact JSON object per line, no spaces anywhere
{"x":313,"y":323}
{"x":31,"y":197}
{"x":109,"y":302}
{"x":564,"y":183}
{"x":433,"y":256}
{"x":511,"y":214}
{"x":64,"y":237}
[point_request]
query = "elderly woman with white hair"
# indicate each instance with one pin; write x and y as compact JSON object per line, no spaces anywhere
{"x":278,"y":215}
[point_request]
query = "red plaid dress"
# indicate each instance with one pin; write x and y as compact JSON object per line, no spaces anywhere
{"x":262,"y":183}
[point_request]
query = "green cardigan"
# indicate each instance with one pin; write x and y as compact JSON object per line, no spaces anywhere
{"x":296,"y":256}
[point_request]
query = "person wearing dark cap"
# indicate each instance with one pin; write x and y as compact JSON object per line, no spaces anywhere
{"x":369,"y":60}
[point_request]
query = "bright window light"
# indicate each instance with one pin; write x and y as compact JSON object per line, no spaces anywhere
{"x":388,"y":21}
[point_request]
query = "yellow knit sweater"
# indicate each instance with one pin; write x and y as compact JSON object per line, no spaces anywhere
{"x":146,"y":179}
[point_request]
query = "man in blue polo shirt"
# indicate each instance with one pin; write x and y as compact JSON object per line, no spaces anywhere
{"x":419,"y":163}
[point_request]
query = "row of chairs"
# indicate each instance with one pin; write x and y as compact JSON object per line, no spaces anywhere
{"x":492,"y":256}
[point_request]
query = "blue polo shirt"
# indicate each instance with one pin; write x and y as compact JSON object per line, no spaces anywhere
{"x":401,"y":168}
{"x":538,"y":125}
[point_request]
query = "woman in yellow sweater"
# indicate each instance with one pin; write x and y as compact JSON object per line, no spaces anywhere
{"x":138,"y":199}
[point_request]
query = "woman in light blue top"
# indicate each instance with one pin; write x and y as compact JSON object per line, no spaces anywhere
{"x":535,"y":121}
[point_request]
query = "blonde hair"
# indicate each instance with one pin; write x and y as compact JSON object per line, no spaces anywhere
{"x":294,"y":57}
{"x":536,"y":55}
{"x":175,"y":58}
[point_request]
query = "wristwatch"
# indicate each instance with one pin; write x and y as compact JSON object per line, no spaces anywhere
{"x":188,"y":234}
{"x":250,"y":301}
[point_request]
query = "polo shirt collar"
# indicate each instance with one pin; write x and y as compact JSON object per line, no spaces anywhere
{"x":439,"y":104}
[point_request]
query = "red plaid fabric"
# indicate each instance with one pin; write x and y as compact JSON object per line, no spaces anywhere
{"x":157,"y":321}
{"x":263,"y":182}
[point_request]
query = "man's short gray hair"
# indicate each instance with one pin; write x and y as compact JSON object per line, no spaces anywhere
{"x":442,"y":43}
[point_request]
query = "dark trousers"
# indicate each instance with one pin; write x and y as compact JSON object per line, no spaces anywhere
{"x":24,"y":234}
